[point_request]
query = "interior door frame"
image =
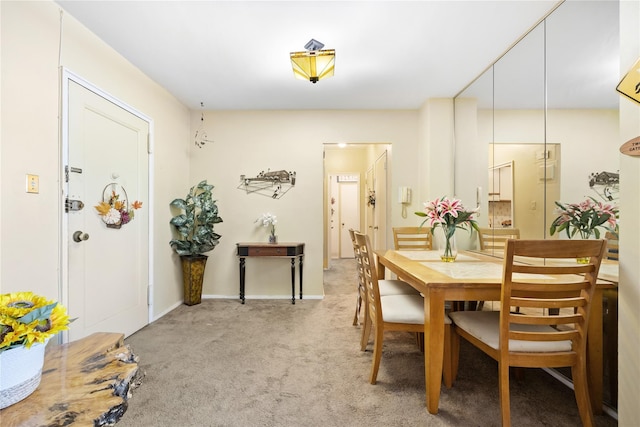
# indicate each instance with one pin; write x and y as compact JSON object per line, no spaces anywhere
{"x":63,"y":281}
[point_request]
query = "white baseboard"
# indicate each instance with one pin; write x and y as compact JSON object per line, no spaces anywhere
{"x":171,"y":308}
{"x":314,"y":297}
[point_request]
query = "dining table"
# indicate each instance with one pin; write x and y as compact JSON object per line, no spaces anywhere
{"x":476,"y":276}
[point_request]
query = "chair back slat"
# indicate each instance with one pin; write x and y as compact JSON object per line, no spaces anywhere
{"x":561,"y":249}
{"x":546,"y":286}
{"x":550,"y":268}
{"x":550,"y":336}
{"x":548,"y":303}
{"x":568,"y":287}
{"x":555,"y":320}
{"x":419,"y":238}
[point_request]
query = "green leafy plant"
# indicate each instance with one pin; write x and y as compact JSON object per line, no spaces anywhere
{"x":195,"y":225}
{"x":584,"y":218}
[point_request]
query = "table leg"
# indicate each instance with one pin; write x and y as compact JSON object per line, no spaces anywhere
{"x":300,"y":267}
{"x":433,"y":347}
{"x":594,"y":353}
{"x":381,"y":271}
{"x":293,"y":280}
{"x":242,"y":276}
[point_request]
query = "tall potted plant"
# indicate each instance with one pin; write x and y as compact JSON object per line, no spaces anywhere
{"x":196,"y":235}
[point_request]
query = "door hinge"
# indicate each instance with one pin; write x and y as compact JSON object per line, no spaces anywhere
{"x":148,"y":143}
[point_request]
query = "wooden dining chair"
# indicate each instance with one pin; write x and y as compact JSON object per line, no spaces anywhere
{"x":530,"y":338}
{"x":496,"y":238}
{"x":386,"y":286}
{"x":412,"y":238}
{"x":397,"y":313}
{"x":492,"y":239}
{"x":361,"y":296}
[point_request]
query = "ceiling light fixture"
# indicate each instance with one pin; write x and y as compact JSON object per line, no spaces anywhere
{"x":313,"y":64}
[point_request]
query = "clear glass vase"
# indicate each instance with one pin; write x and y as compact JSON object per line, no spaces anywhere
{"x":585,"y":235}
{"x":446,"y":239}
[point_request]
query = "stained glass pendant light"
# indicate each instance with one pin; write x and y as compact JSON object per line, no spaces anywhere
{"x":313,"y":64}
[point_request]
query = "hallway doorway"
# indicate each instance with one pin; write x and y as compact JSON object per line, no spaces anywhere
{"x":360,"y":172}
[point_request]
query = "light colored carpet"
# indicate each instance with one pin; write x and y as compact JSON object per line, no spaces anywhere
{"x":271,"y":363}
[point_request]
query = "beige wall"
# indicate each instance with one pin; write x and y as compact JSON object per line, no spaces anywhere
{"x":247,"y":142}
{"x":29,"y":143}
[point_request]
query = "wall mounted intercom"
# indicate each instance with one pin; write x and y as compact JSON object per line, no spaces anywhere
{"x":404,"y":198}
{"x":404,"y":195}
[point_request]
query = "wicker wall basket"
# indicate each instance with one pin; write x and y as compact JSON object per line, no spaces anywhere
{"x":20,"y":373}
{"x":106,"y":196}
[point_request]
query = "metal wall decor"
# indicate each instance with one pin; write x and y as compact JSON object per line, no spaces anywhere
{"x":272,"y":184}
{"x":201,"y":137}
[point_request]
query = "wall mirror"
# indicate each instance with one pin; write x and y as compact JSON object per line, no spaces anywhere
{"x":548,"y":107}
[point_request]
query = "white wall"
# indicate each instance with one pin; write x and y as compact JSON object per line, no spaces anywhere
{"x":29,"y":143}
{"x":629,"y":290}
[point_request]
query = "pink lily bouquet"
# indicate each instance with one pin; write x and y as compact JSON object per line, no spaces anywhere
{"x":584,"y":218}
{"x":449,"y":214}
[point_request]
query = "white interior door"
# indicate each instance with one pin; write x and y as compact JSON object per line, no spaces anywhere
{"x":334,"y":218}
{"x":108,"y":268}
{"x":349,"y":215}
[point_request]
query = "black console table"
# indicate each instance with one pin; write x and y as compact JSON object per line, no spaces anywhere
{"x":274,"y":250}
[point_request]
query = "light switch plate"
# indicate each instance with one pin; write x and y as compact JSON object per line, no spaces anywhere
{"x":33,"y":183}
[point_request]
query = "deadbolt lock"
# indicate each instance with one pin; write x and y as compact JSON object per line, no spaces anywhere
{"x":73,"y":205}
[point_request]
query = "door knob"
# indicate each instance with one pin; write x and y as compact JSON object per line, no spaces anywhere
{"x":79,"y":236}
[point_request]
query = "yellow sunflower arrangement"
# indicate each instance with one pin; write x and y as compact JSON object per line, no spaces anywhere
{"x":26,"y":318}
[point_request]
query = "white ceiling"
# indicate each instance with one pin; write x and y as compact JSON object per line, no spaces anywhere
{"x":232,"y":55}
